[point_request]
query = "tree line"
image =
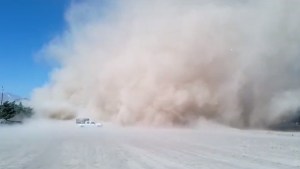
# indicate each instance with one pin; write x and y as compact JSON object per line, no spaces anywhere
{"x":9,"y":110}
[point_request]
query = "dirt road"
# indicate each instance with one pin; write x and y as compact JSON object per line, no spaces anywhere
{"x":48,"y":145}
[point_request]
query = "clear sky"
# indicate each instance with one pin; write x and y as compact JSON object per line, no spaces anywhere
{"x":25,"y":26}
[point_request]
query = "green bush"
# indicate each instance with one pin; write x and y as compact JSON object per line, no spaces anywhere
{"x":9,"y":110}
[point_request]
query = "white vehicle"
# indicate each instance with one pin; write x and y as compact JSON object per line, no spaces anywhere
{"x":85,"y":122}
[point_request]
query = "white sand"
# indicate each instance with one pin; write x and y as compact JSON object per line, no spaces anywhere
{"x":63,"y":145}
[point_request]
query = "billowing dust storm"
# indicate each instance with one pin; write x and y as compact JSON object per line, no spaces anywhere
{"x":174,"y":62}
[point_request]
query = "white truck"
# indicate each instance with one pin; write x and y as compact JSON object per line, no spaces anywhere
{"x":86,"y":122}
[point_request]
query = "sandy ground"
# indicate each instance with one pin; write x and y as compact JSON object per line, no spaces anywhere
{"x":58,"y":145}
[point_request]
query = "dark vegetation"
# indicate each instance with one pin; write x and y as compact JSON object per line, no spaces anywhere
{"x":11,"y":113}
{"x":288,"y":123}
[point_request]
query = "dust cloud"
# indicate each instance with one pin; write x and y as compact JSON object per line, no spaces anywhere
{"x":174,"y":62}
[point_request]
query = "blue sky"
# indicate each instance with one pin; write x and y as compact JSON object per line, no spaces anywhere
{"x":25,"y":26}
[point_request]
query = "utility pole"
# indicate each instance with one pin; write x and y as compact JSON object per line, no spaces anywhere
{"x":2,"y":96}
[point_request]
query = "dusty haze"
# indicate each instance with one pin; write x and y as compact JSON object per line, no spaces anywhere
{"x":173,"y":62}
